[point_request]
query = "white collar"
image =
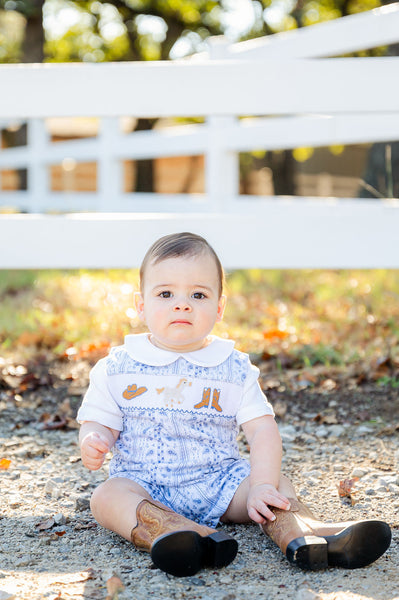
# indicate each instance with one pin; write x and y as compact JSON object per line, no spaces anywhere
{"x":140,"y":348}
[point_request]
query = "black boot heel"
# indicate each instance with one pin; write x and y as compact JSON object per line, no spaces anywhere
{"x":184,"y":553}
{"x":359,"y":544}
{"x":221,"y":549}
{"x":309,"y":552}
{"x":179,"y":553}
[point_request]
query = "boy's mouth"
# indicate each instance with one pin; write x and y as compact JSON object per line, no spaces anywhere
{"x":181,"y":322}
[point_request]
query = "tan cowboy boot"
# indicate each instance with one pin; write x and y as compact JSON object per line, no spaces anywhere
{"x":177,"y":545}
{"x":312,"y":544}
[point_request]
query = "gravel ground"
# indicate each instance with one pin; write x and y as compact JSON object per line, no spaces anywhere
{"x":51,"y":548}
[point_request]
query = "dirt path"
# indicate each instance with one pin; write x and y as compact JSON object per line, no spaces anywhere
{"x":50,"y":547}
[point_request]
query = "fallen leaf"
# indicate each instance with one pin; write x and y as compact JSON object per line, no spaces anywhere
{"x":53,"y":421}
{"x":329,"y":385}
{"x":64,"y":408}
{"x":271,"y":334}
{"x":114,"y":585}
{"x":389,"y":430}
{"x":345,"y":489}
{"x":72,"y":423}
{"x":5,"y":464}
{"x":329,"y":418}
{"x":74,"y":459}
{"x":307,"y":376}
{"x":92,"y":351}
{"x":270,"y":384}
{"x":79,"y":526}
{"x":46,"y":524}
{"x":79,"y":577}
{"x":346,"y":486}
{"x":280,"y":408}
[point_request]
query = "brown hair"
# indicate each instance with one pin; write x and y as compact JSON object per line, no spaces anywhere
{"x":180,"y":244}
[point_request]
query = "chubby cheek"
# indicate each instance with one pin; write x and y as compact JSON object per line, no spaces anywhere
{"x":154,"y":315}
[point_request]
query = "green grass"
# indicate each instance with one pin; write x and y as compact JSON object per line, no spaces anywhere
{"x":317,"y":317}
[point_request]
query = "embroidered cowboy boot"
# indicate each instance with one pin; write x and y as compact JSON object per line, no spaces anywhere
{"x":177,"y":545}
{"x":312,"y":544}
{"x":215,"y":400}
{"x":206,"y":396}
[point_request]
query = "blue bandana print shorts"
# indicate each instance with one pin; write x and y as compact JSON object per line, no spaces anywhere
{"x":203,"y":501}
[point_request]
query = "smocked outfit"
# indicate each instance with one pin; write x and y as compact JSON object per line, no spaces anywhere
{"x":178,"y":415}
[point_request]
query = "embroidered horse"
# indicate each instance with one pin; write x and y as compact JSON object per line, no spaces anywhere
{"x":171,"y":395}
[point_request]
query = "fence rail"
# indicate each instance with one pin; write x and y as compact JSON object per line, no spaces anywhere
{"x":291,"y":102}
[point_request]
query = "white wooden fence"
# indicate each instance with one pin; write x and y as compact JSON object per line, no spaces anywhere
{"x":293,"y":100}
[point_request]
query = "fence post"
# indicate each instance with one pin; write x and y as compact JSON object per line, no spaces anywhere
{"x":38,"y":177}
{"x":221,"y":166}
{"x":109,"y":168}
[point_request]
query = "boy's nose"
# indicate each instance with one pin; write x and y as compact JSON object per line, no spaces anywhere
{"x":182,"y":305}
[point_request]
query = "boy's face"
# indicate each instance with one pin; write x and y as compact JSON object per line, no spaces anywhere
{"x":180,"y":301}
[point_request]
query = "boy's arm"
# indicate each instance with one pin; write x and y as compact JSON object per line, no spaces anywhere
{"x":95,"y":440}
{"x":266,"y":452}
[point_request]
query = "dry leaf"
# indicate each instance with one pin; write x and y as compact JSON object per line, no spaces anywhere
{"x":330,"y":418}
{"x":79,"y":526}
{"x":280,"y":408}
{"x":46,"y":524}
{"x":93,"y":350}
{"x":345,"y":489}
{"x":5,"y":464}
{"x":79,"y":577}
{"x":271,"y":334}
{"x":53,"y":421}
{"x":114,"y":585}
{"x":389,"y":430}
{"x":329,"y":385}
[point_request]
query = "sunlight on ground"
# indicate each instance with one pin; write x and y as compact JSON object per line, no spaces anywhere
{"x":19,"y":584}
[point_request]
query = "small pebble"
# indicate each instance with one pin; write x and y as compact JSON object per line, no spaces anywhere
{"x":6,"y":595}
{"x":358,"y":472}
{"x":82,"y":503}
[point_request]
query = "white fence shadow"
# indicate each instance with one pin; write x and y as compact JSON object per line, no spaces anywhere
{"x":293,"y":98}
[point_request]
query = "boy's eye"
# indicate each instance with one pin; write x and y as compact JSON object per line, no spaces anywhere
{"x":198,"y":296}
{"x":165,"y":294}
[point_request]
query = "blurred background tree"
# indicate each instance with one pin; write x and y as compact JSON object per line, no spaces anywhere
{"x":67,"y":30}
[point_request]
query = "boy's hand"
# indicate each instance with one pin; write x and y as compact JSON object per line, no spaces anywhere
{"x":262,"y":495}
{"x":93,"y":449}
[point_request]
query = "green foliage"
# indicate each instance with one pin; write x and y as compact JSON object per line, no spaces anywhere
{"x":326,"y":318}
{"x":132,"y":30}
{"x":149,"y":29}
{"x":388,"y":381}
{"x":320,"y":354}
{"x":80,"y":44}
{"x":12,"y":282}
{"x":11,"y":35}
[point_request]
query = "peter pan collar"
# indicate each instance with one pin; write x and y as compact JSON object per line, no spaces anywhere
{"x":139,"y":347}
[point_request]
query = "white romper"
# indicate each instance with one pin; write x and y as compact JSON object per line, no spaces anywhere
{"x":178,"y":417}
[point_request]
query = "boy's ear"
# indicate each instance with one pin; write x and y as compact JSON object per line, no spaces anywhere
{"x":221,"y":307}
{"x":139,"y":305}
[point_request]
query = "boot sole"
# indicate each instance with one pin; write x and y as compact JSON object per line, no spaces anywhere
{"x":184,"y":553}
{"x":309,"y":552}
{"x":358,"y":545}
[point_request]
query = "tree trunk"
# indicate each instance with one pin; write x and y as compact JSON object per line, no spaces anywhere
{"x":33,"y":45}
{"x":283,"y":165}
{"x":145,"y":168}
{"x":381,"y":177}
{"x":32,"y":52}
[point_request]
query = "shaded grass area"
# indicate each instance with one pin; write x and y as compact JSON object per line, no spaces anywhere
{"x":314,"y":317}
